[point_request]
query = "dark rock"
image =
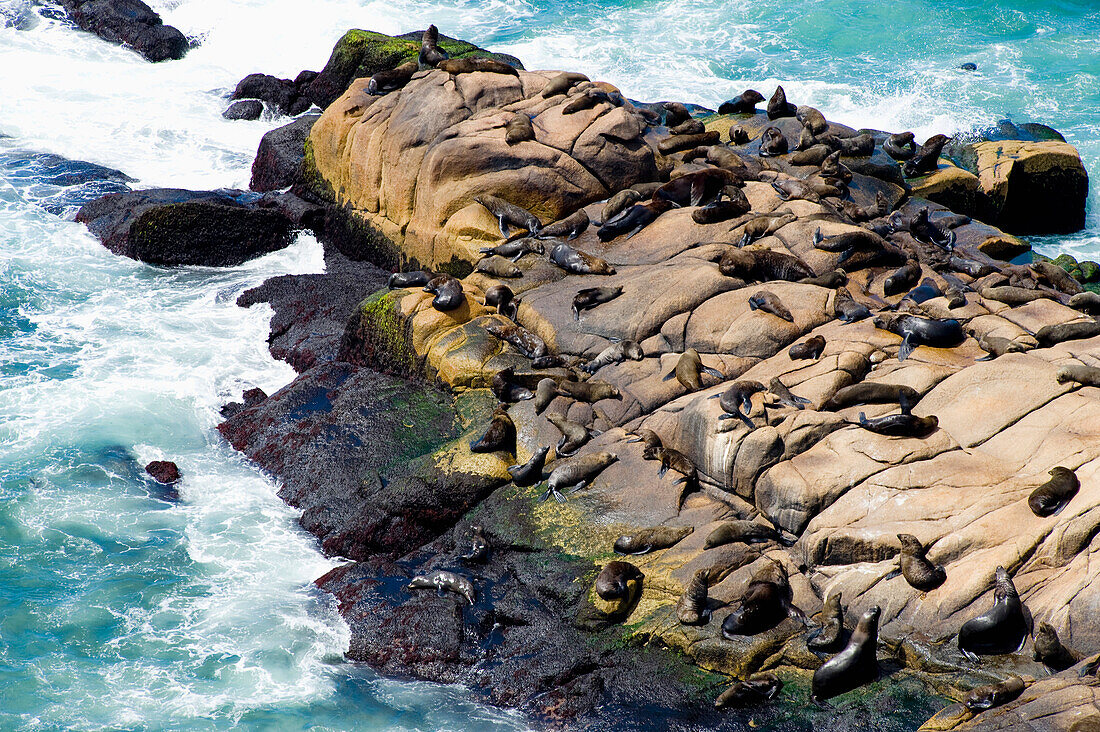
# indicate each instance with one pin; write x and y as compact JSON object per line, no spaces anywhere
{"x":278,"y":162}
{"x":279,"y":93}
{"x":131,"y":22}
{"x":249,"y":109}
{"x":57,"y":184}
{"x":163,"y":471}
{"x":969,"y":66}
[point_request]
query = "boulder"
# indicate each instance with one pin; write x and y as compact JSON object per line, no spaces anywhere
{"x":279,"y":158}
{"x":248,"y":109}
{"x":131,"y":22}
{"x":163,"y":471}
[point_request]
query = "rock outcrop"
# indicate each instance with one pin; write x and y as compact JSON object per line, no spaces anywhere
{"x":131,"y":22}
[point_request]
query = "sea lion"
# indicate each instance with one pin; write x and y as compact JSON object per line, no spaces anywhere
{"x":756,"y":689}
{"x":744,"y":104}
{"x":917,"y":331}
{"x":920,"y":573}
{"x":772,"y":143}
{"x":1056,"y":277}
{"x":590,"y":297}
{"x":615,"y":353}
{"x":519,"y":129}
{"x":678,"y":143}
{"x":764,"y":605}
{"x":849,"y":242}
{"x":509,"y":214}
{"x":778,"y":106}
{"x":570,"y":227}
{"x":768,"y":302}
{"x":444,"y":582}
{"x":576,"y":473}
{"x":902,"y":279}
{"x":923,"y":292}
{"x":1087,"y":302}
{"x":763,"y":226}
{"x":497,"y":266}
{"x":589,"y":391}
{"x":474,"y":64}
{"x":784,"y":395}
{"x":927,"y":157}
{"x":846,"y":309}
{"x":523,"y":340}
{"x":828,"y":637}
{"x":506,"y":390}
{"x":970,"y":267}
{"x":900,"y":146}
{"x":652,"y":539}
{"x":680,"y":463}
{"x":830,"y":280}
{"x":573,"y":435}
{"x":812,"y":119}
{"x":651,"y":440}
{"x":870,"y":392}
{"x":1050,"y":335}
{"x":853,"y":667}
{"x":1002,"y":628}
{"x":675,"y":113}
{"x":1084,"y":375}
{"x":619,"y":203}
{"x":899,"y":425}
{"x":689,"y":368}
{"x":430,"y":53}
{"x":729,"y":204}
{"x":809,"y":154}
{"x":448,"y":293}
{"x":634,"y":219}
{"x":516,"y":248}
{"x":1011,"y":295}
{"x":696,"y":189}
{"x":391,"y":79}
{"x":545,"y":392}
{"x":613,"y":580}
{"x":503,"y":299}
{"x":955,"y":298}
{"x":810,"y":348}
{"x":996,"y":346}
{"x":995,"y":695}
{"x":736,"y":398}
{"x":925,"y":230}
{"x":795,"y":189}
{"x":746,"y":532}
{"x":530,"y":473}
{"x":408,"y":279}
{"x":1050,"y":651}
{"x":479,"y":547}
{"x":833,"y":170}
{"x":1048,"y":498}
{"x":574,"y":261}
{"x":562,"y":83}
{"x":500,"y":436}
{"x":858,"y":146}
{"x":859,"y":214}
{"x":763,"y":265}
{"x":738,"y":135}
{"x":692,"y":607}
{"x":688,"y":127}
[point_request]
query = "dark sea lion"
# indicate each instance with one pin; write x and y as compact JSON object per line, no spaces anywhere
{"x":391,"y":79}
{"x":970,"y":267}
{"x":828,"y":637}
{"x":812,"y":119}
{"x":474,"y":64}
{"x":763,"y":265}
{"x":573,"y":435}
{"x":652,"y":539}
{"x":768,"y":302}
{"x":500,"y":436}
{"x":692,"y":607}
{"x":448,"y":293}
{"x":516,"y":248}
{"x":764,"y":605}
{"x":955,"y":298}
{"x":756,"y":689}
{"x":995,"y":695}
{"x":917,"y":331}
{"x":545,"y":392}
{"x":923,"y":229}
{"x":1084,"y":375}
{"x":899,"y":425}
{"x":530,"y":473}
{"x":920,"y":573}
{"x":479,"y":547}
{"x":575,"y":261}
{"x":615,"y":353}
{"x":690,"y":127}
{"x":619,"y":203}
{"x":809,"y":348}
{"x":562,"y":83}
{"x":507,"y":390}
{"x":570,"y":227}
{"x":996,"y":346}
{"x":509,"y":214}
{"x":859,"y":146}
{"x":927,"y":157}
{"x":497,"y":266}
{"x":576,"y":473}
{"x":923,"y":292}
{"x":408,"y":279}
{"x":519,"y":129}
{"x":634,"y":219}
{"x":587,"y":99}
{"x":1055,"y":493}
{"x":811,"y":155}
{"x":675,"y":113}
{"x":738,"y":136}
{"x":1053,"y":275}
{"x":1050,"y":335}
{"x":729,"y":204}
{"x":678,"y":462}
{"x":1086,"y":302}
{"x":736,"y":401}
{"x":794,"y":189}
{"x":846,"y":309}
{"x":830,"y":280}
{"x":778,"y":106}
{"x":853,"y":667}
{"x":764,"y":226}
{"x":832,"y":168}
{"x":784,"y":395}
{"x":651,"y":440}
{"x":430,"y":52}
{"x":523,"y":340}
{"x":773,"y":143}
{"x":589,"y":391}
{"x":696,"y":189}
{"x":1050,"y":651}
{"x":612,"y":581}
{"x":688,"y":369}
{"x":900,"y":146}
{"x":902,"y":279}
{"x":859,"y":214}
{"x":678,"y":143}
{"x":744,"y":104}
{"x":869,"y":392}
{"x":1002,"y":628}
{"x":590,"y":297}
{"x":1010,"y":295}
{"x":850,"y":242}
{"x":444,"y":581}
{"x":746,"y":532}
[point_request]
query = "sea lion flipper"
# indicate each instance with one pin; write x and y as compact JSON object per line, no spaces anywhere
{"x":662,"y":471}
{"x":713,"y":372}
{"x":503,"y":226}
{"x":907,"y":346}
{"x":576,"y":313}
{"x":669,"y":376}
{"x":748,"y":422}
{"x":862,"y":418}
{"x":753,"y":305}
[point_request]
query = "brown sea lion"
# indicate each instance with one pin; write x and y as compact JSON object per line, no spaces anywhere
{"x":613,"y":580}
{"x":562,"y":83}
{"x":773,"y":143}
{"x":846,"y":309}
{"x":651,"y":441}
{"x":688,"y":369}
{"x":391,"y":79}
{"x":479,"y":546}
{"x":692,"y":607}
{"x":853,"y":667}
{"x":996,"y":346}
{"x":859,"y":214}
{"x":497,"y":266}
{"x":448,"y":293}
{"x":1050,"y":651}
{"x":430,"y":53}
{"x":576,"y":473}
{"x":696,"y":189}
{"x":870,"y":392}
{"x":688,"y":127}
{"x":1055,"y":493}
{"x":784,"y":395}
{"x":516,"y":248}
{"x":474,"y":64}
{"x":615,"y":353}
{"x":756,"y":689}
{"x":634,"y":219}
{"x":573,"y":435}
{"x":736,"y":401}
{"x":900,"y":146}
{"x":927,"y":157}
{"x":809,"y":348}
{"x":778,"y":106}
{"x":530,"y":473}
{"x":830,"y":280}
{"x":810,"y":154}
{"x":1002,"y":628}
{"x":1084,"y":375}
{"x":509,"y":214}
{"x":500,"y":436}
{"x":1086,"y":302}
{"x":738,"y":135}
{"x":519,"y":129}
{"x":746,"y":532}
{"x":763,"y":265}
{"x":589,"y":391}
{"x":506,"y":390}
{"x":575,"y":261}
{"x":828,"y":637}
{"x":590,"y":297}
{"x":920,"y":573}
{"x":545,"y":391}
{"x":833,"y":170}
{"x":500,"y":297}
{"x":570,"y":227}
{"x":811,"y":119}
{"x":765,"y":603}
{"x":619,"y":203}
{"x":764,"y":226}
{"x":995,"y":695}
{"x":1050,"y":335}
{"x":443,"y":581}
{"x":902,"y":279}
{"x":768,"y":302}
{"x":729,"y":204}
{"x":680,"y":463}
{"x":523,"y":340}
{"x":652,"y":539}
{"x":1010,"y":295}
{"x":678,"y":143}
{"x":744,"y":104}
{"x":675,"y":113}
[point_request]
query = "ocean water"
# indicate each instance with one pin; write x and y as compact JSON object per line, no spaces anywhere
{"x":121,"y":608}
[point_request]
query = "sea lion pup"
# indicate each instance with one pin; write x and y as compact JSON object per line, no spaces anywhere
{"x":1086,"y":302}
{"x":678,"y":143}
{"x":576,"y":473}
{"x":430,"y":52}
{"x":924,"y":230}
{"x":1055,"y":493}
{"x":590,"y":297}
{"x":811,"y":348}
{"x":772,"y":143}
{"x":448,"y":293}
{"x":509,"y":214}
{"x":849,"y":242}
{"x":768,"y":302}
{"x":695,"y":189}
{"x":587,"y":99}
{"x":408,"y":279}
{"x":778,"y":106}
{"x":634,"y":219}
{"x":1084,"y":375}
{"x":763,"y":265}
{"x":619,"y":203}
{"x":745,"y":532}
{"x":794,"y":189}
{"x":615,"y":353}
{"x":812,"y":119}
{"x":652,"y":539}
{"x":479,"y":547}
{"x":574,"y":261}
{"x":444,"y":581}
{"x":503,"y":299}
{"x":519,"y":129}
{"x":846,"y":309}
{"x":923,"y":292}
{"x":506,"y":390}
{"x":516,"y":248}
{"x":833,"y":169}
{"x":589,"y":391}
{"x":763,"y":226}
{"x":899,"y":425}
{"x":612,"y":583}
{"x":996,"y":346}
{"x":690,"y":127}
{"x":391,"y":79}
{"x":853,"y":667}
{"x":1002,"y":628}
{"x":1056,"y":277}
{"x":902,"y":279}
{"x":545,"y":391}
{"x":497,"y":266}
{"x":744,"y":104}
{"x":651,"y":440}
{"x":756,"y":689}
{"x":900,"y":146}
{"x":1050,"y":651}
{"x":917,"y":331}
{"x":765,"y":604}
{"x":870,"y":392}
{"x":927,"y":157}
{"x":995,"y":695}
{"x":573,"y":435}
{"x":729,"y":204}
{"x":530,"y":473}
{"x":830,"y":280}
{"x":809,"y":154}
{"x":784,"y":395}
{"x":500,"y":436}
{"x":678,"y":462}
{"x":860,"y":214}
{"x":736,"y":401}
{"x":1050,"y":335}
{"x":920,"y":573}
{"x":675,"y":113}
{"x":689,"y":368}
{"x":827,"y":637}
{"x":692,"y":607}
{"x":523,"y":340}
{"x":562,"y":83}
{"x":474,"y":63}
{"x":570,"y":227}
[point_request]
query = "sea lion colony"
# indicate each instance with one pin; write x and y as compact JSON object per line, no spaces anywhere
{"x":901,"y":266}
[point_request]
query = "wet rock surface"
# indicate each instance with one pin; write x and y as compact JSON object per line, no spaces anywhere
{"x":131,"y":22}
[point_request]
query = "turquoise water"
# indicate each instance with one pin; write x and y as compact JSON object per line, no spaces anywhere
{"x":121,"y":608}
